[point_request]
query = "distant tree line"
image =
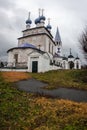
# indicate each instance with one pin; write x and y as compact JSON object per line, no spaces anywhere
{"x":1,"y":64}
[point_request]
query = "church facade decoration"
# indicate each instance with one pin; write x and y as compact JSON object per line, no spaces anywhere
{"x":38,"y":51}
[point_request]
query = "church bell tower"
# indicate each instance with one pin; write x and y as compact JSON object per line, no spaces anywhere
{"x":58,"y":43}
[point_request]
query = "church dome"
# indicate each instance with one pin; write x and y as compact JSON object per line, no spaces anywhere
{"x":42,"y":17}
{"x":49,"y":26}
{"x":70,"y":56}
{"x":77,"y":58}
{"x":25,"y":45}
{"x":28,"y":21}
{"x":37,"y":20}
{"x":64,"y":58}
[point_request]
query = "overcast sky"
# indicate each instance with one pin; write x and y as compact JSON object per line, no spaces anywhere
{"x":69,"y":15}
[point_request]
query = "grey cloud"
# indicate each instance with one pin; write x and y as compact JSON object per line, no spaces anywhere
{"x":7,"y":4}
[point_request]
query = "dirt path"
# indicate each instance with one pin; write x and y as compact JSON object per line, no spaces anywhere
{"x":35,"y":86}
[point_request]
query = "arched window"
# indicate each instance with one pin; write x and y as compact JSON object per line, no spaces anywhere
{"x":16,"y":58}
{"x":53,"y":61}
{"x":52,"y":49}
{"x":58,"y":50}
{"x":49,"y":46}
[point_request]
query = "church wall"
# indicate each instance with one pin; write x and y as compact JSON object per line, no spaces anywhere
{"x":22,"y":56}
{"x":35,"y":31}
{"x":65,"y":64}
{"x":35,"y":57}
{"x":71,"y":59}
{"x":43,"y":62}
{"x":46,"y":64}
{"x":10,"y":59}
{"x":77,"y":61}
{"x":38,"y":41}
{"x":49,"y":45}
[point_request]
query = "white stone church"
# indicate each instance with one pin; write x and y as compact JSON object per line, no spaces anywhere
{"x":38,"y":51}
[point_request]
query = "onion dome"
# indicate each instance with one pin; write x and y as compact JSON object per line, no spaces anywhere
{"x":70,"y":56}
{"x":49,"y":26}
{"x":25,"y":45}
{"x":77,"y":58}
{"x":28,"y":21}
{"x":42,"y":18}
{"x":65,"y":58}
{"x":37,"y":20}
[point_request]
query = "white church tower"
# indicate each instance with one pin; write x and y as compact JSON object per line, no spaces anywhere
{"x":58,"y":42}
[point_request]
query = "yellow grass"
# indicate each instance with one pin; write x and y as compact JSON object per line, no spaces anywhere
{"x":15,"y":76}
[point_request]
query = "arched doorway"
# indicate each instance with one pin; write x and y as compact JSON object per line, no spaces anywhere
{"x":71,"y":65}
{"x":34,"y":66}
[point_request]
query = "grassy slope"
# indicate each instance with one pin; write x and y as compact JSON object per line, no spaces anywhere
{"x":64,"y":78}
{"x":15,"y":76}
{"x":23,"y":111}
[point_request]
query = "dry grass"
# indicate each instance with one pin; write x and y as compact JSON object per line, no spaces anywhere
{"x":15,"y":76}
{"x":63,"y":78}
{"x":23,"y":111}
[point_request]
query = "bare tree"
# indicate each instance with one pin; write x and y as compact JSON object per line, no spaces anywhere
{"x":83,"y":42}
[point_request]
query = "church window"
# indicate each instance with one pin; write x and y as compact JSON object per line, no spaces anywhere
{"x":58,"y":50}
{"x":52,"y":49}
{"x":16,"y":58}
{"x":49,"y":47}
{"x":53,"y":61}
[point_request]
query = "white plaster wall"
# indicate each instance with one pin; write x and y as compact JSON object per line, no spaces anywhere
{"x":40,"y":41}
{"x":33,"y":57}
{"x":66,"y":64}
{"x":35,"y":31}
{"x":71,"y":59}
{"x":40,"y":64}
{"x":79,"y":62}
{"x":46,"y":64}
{"x":22,"y":55}
{"x":48,"y":41}
{"x":10,"y":56}
{"x":43,"y":62}
{"x":34,"y":40}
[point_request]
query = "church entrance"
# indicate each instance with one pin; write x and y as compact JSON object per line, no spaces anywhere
{"x":34,"y":66}
{"x":71,"y":65}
